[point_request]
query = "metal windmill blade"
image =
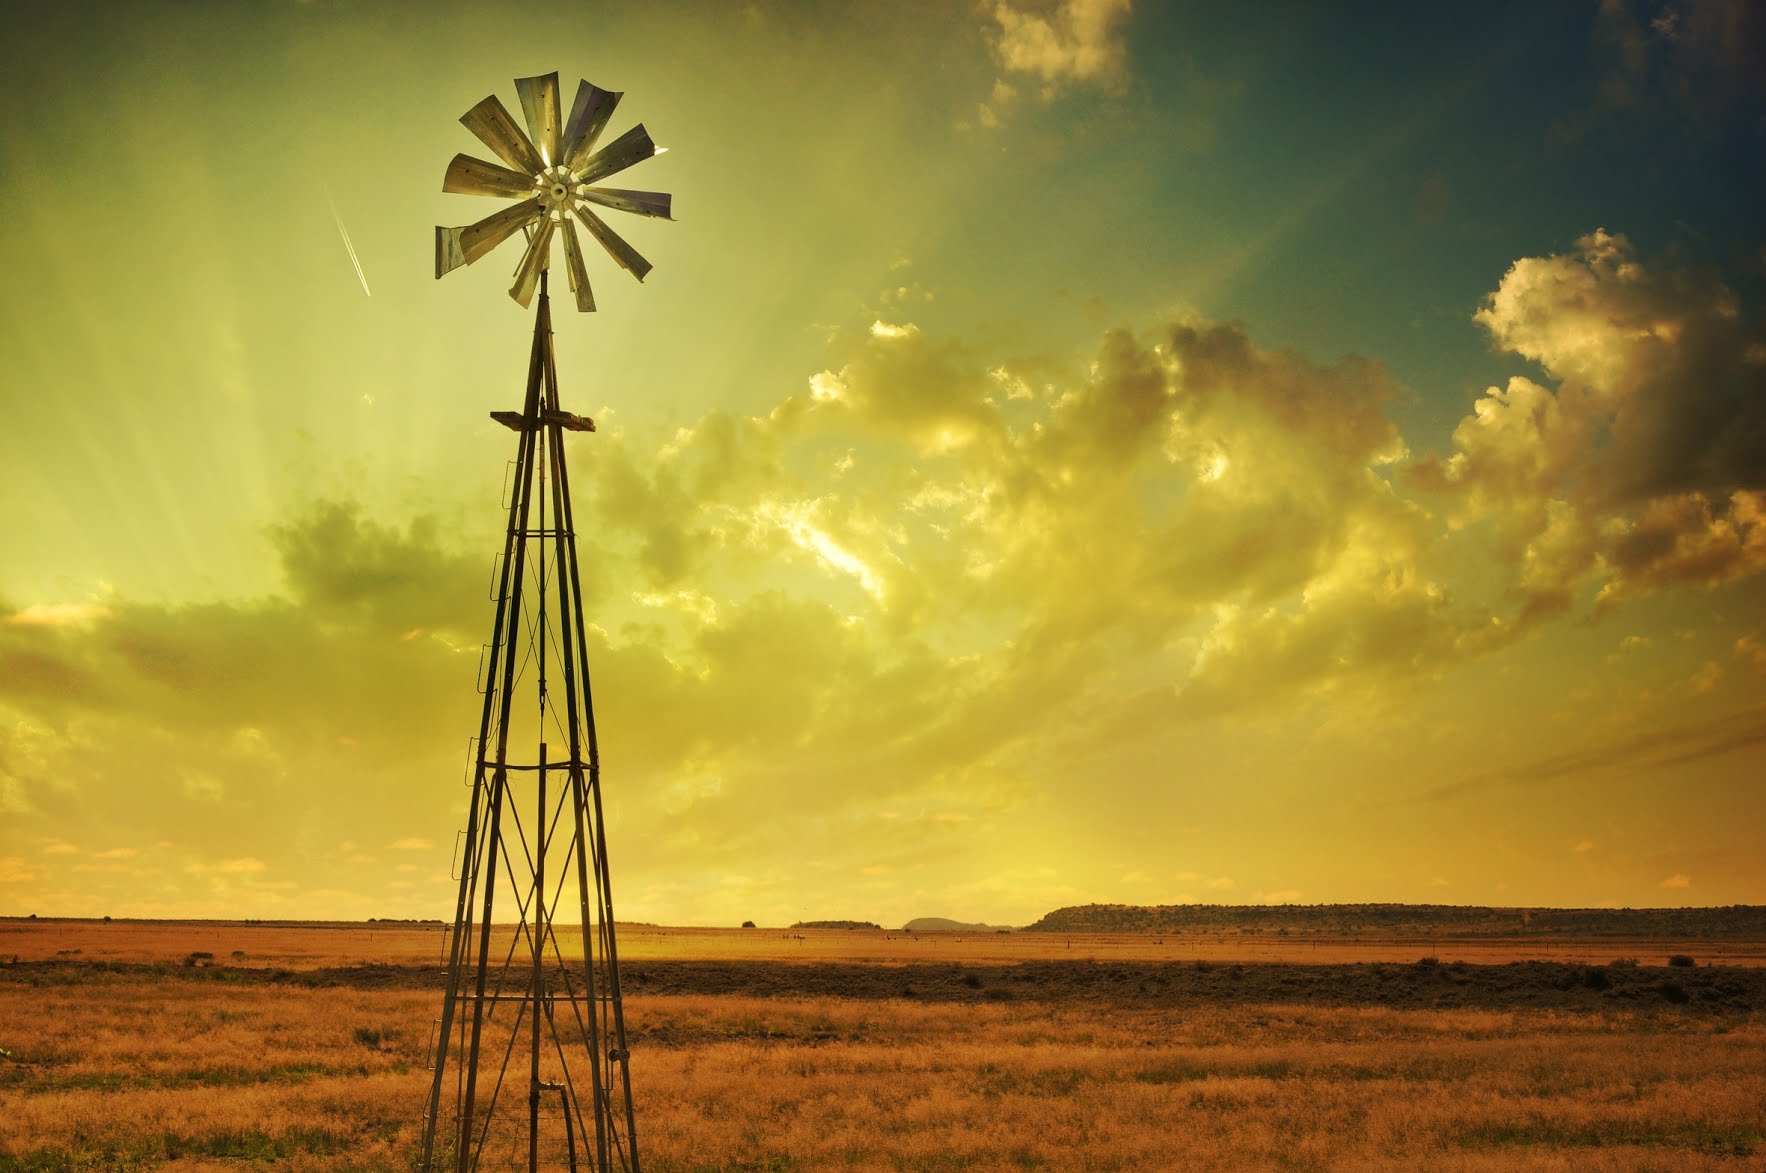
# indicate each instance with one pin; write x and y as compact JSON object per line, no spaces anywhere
{"x":549,"y":170}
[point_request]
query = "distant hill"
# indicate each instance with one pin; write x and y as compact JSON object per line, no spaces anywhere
{"x":943,"y":924}
{"x":1739,"y":921}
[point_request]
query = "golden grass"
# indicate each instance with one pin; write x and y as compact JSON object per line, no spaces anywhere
{"x":136,"y":1072}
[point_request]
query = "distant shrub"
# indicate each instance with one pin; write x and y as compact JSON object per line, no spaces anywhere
{"x":1622,"y":963}
{"x":1682,"y":960}
{"x":748,"y":924}
{"x":972,"y":980}
{"x":1596,"y":979}
{"x":836,"y":924}
{"x":1427,"y":962}
{"x":1674,"y":992}
{"x":368,"y":1036}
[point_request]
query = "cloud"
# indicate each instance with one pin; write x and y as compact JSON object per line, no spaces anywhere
{"x":1677,"y":880}
{"x":1680,"y":744}
{"x":945,"y":573}
{"x":262,"y":723}
{"x":1069,"y":41}
{"x":1694,"y":57}
{"x":339,"y":565}
{"x":1752,"y":649}
{"x":1643,"y":467}
{"x":1688,"y":539}
{"x":1661,"y":381}
{"x":58,"y":614}
{"x":1055,"y":45}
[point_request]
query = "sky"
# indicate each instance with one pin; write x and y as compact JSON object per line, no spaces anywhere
{"x":1066,"y":451}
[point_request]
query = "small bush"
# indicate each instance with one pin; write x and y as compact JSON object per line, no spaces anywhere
{"x":1674,"y":992}
{"x":972,"y":980}
{"x":1622,"y":963}
{"x":1682,"y":960}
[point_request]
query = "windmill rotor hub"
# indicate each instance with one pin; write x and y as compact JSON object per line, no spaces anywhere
{"x":557,"y":186}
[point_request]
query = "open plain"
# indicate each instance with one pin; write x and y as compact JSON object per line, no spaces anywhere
{"x":205,"y":1045}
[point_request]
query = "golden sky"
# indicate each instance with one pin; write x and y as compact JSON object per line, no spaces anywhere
{"x":1065,"y":452}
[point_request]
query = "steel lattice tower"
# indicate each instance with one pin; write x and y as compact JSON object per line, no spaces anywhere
{"x":539,"y":1008}
{"x":530,"y":1060}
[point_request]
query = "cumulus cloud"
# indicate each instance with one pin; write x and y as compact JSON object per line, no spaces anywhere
{"x":1643,"y":465}
{"x":1661,"y":367}
{"x":1072,"y":40}
{"x":1055,"y":45}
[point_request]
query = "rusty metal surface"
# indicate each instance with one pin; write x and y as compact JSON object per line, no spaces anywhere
{"x":634,"y":146}
{"x":568,"y":420}
{"x":491,"y":122}
{"x":539,"y":101}
{"x":641,"y":203}
{"x":588,"y":118}
{"x":578,"y":272}
{"x":469,"y":176}
{"x":480,"y":238}
{"x":628,"y":257}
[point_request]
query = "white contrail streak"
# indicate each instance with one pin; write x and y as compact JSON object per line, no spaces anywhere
{"x":345,"y":233}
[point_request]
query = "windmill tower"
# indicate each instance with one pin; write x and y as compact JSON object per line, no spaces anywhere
{"x":530,"y":1067}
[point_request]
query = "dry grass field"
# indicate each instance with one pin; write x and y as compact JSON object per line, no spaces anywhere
{"x":758,"y":1051}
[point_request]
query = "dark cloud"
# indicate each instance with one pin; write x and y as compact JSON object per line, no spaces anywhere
{"x":1681,"y":744}
{"x":1689,"y":540}
{"x":1697,"y":58}
{"x":343,"y":566}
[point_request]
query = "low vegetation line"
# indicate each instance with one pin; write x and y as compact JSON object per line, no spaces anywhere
{"x":1422,"y":985}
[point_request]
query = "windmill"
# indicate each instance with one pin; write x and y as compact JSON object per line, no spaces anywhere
{"x":530,"y":1063}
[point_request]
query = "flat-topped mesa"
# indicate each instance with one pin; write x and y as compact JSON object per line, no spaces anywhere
{"x":1741,"y":921}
